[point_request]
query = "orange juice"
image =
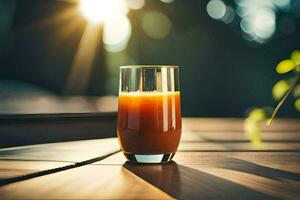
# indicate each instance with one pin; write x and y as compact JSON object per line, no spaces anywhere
{"x":149,"y":122}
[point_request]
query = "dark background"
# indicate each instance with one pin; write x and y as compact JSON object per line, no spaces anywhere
{"x":222,"y":74}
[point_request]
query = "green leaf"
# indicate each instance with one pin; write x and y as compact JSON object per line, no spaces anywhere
{"x":295,"y":56}
{"x":297,"y":105}
{"x":253,"y":131}
{"x":250,"y":126}
{"x":257,"y":114}
{"x":256,"y":138}
{"x":296,"y":92}
{"x":285,"y":66}
{"x":279,"y":89}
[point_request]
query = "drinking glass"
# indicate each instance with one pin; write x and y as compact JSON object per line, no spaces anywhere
{"x":149,"y":115}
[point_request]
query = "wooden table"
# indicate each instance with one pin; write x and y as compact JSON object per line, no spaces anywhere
{"x":214,"y":161}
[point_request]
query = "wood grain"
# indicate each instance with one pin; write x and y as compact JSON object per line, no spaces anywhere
{"x":240,"y":146}
{"x":288,"y":160}
{"x":225,"y":175}
{"x":87,"y":182}
{"x":236,"y":124}
{"x":238,"y":136}
{"x":64,"y":151}
{"x":14,"y":168}
{"x":214,"y":161}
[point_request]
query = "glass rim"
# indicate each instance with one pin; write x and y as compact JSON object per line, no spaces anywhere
{"x":148,"y":66}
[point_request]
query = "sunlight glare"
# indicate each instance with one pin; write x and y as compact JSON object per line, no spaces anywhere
{"x":135,"y":4}
{"x":98,"y":11}
{"x":116,"y":33}
{"x":82,"y":64}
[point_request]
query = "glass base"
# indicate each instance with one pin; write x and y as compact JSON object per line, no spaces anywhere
{"x":149,"y":158}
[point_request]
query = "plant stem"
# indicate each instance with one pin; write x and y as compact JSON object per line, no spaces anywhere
{"x":293,"y":85}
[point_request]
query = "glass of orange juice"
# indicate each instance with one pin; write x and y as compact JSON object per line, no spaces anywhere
{"x":149,"y":114}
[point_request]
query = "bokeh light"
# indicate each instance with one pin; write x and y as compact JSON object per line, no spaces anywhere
{"x":252,"y":126}
{"x":229,"y":15}
{"x":297,"y":104}
{"x":281,"y":3}
{"x":263,"y":23}
{"x":116,"y":33}
{"x":258,"y":18}
{"x":246,"y":25}
{"x":167,"y":1}
{"x":135,"y":4}
{"x":156,"y":25}
{"x":98,"y":11}
{"x":216,"y":9}
{"x":259,"y":23}
{"x":296,"y":92}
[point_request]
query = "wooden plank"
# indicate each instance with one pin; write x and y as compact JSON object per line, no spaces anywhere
{"x":282,"y":160}
{"x":226,"y":171}
{"x":13,"y":168}
{"x":241,"y":182}
{"x":245,"y":146}
{"x":183,"y":182}
{"x":220,"y":136}
{"x":115,"y":159}
{"x":274,"y":174}
{"x":280,"y":188}
{"x":87,"y":182}
{"x":64,"y":151}
{"x":194,"y":175}
{"x":35,"y":159}
{"x":222,"y":175}
{"x":236,"y":124}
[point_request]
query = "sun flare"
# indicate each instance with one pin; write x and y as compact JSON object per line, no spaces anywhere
{"x":99,"y":11}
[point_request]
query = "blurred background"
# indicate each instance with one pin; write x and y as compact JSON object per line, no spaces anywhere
{"x":63,"y":56}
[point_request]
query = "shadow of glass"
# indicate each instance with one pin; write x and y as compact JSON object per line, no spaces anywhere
{"x":256,"y":169}
{"x":183,"y":182}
